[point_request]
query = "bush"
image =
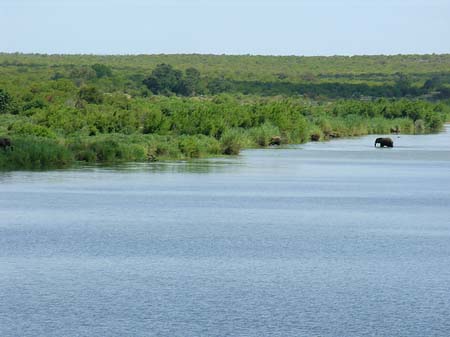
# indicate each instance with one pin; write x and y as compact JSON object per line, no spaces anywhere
{"x":91,"y":95}
{"x":419,"y":126}
{"x":379,"y":125}
{"x":315,"y":133}
{"x":198,"y":146}
{"x":107,"y":150}
{"x":298,"y":132}
{"x":102,"y":70}
{"x":405,"y":125}
{"x":433,"y":121}
{"x":231,"y":141}
{"x":261,"y":135}
{"x":29,"y":129}
{"x":6,"y":103}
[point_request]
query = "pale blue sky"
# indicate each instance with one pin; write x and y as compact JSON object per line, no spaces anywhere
{"x":283,"y":27}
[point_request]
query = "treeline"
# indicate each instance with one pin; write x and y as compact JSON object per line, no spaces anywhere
{"x":246,"y":67}
{"x":166,"y":80}
{"x":319,"y":78}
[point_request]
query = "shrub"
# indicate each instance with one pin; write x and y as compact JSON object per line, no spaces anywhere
{"x":102,"y":70}
{"x":379,"y":125}
{"x":433,"y":121}
{"x":419,"y":126}
{"x":6,"y":103}
{"x":298,"y":132}
{"x":91,"y":95}
{"x":29,"y":129}
{"x":231,"y":141}
{"x":405,"y":125}
{"x":315,"y":133}
{"x":261,"y":135}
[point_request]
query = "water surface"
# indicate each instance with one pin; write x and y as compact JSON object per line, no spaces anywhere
{"x":322,"y":239}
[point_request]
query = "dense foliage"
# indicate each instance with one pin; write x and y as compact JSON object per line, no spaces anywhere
{"x":58,"y":109}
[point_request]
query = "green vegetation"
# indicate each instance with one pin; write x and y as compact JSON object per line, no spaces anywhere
{"x":61,"y":109}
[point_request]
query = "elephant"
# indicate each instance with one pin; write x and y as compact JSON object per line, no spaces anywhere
{"x":384,"y":142}
{"x":275,"y":140}
{"x":315,"y":137}
{"x":5,"y":143}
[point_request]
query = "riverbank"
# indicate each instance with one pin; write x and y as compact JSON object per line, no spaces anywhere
{"x":30,"y":152}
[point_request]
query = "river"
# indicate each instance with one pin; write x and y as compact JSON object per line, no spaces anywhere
{"x":322,"y":239}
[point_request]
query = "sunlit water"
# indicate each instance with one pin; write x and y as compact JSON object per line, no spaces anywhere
{"x":324,"y":239}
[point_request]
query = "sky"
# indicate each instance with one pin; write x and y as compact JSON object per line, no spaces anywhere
{"x":263,"y":27}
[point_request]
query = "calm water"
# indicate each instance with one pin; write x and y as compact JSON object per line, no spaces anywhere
{"x":324,"y":239}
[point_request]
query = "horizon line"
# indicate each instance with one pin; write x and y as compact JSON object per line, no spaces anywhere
{"x":219,"y":54}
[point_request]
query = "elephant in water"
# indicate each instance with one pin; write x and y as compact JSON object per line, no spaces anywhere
{"x":384,"y":142}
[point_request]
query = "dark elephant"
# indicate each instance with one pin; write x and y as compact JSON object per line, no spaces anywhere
{"x":275,"y":140}
{"x":384,"y":142}
{"x":5,"y":143}
{"x":315,"y":137}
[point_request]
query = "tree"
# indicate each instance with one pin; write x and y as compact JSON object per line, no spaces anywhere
{"x":403,"y":84}
{"x":191,"y":82}
{"x":219,"y":85}
{"x":101,"y":70}
{"x":432,"y":83}
{"x":82,"y":74}
{"x":165,"y":80}
{"x":90,"y":95}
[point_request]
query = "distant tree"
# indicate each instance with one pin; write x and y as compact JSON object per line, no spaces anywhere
{"x":165,"y":80}
{"x":85,"y":73}
{"x":191,"y":84}
{"x":308,"y":76}
{"x":281,"y":76}
{"x":56,"y":76}
{"x":219,"y":85}
{"x":432,"y":83}
{"x":91,"y":95}
{"x":34,"y":104}
{"x":403,"y":84}
{"x":444,"y":92}
{"x":102,"y":70}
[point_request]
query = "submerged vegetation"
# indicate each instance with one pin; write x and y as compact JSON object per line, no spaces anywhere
{"x":60,"y":109}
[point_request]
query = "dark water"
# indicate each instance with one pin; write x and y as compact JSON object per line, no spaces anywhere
{"x":325,"y":239}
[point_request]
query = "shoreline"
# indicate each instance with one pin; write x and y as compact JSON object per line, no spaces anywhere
{"x":74,"y":164}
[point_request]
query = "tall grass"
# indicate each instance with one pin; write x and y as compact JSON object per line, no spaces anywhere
{"x":232,"y":141}
{"x":35,"y":153}
{"x":261,"y":135}
{"x":122,"y":148}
